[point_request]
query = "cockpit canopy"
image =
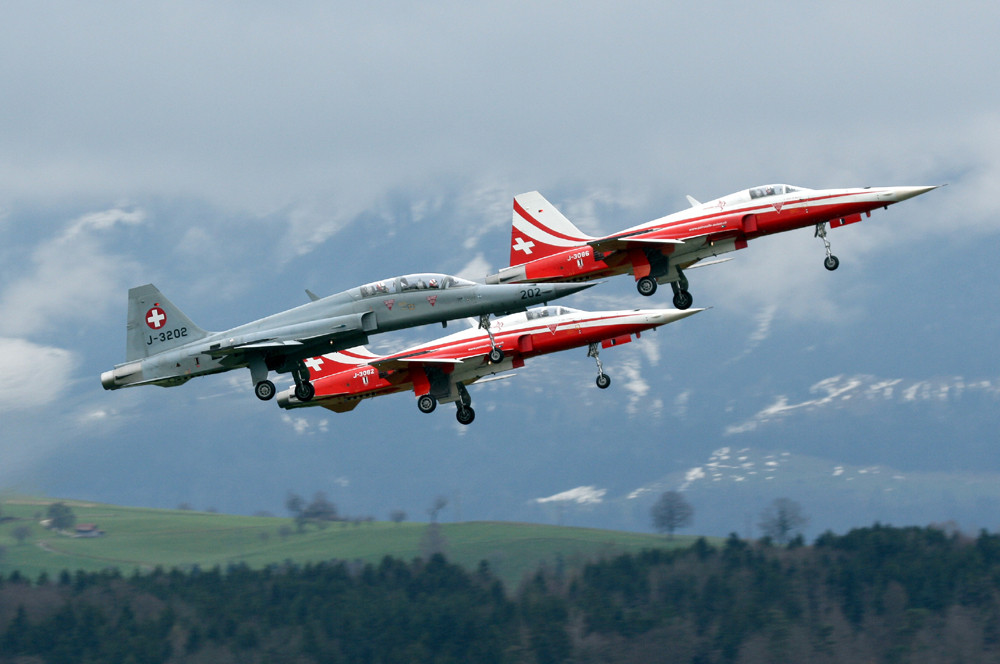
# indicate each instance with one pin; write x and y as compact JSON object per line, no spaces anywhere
{"x":548,"y":312}
{"x":412,"y":282}
{"x":773,"y":190}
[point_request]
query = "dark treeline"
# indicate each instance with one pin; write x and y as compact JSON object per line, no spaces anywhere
{"x":876,"y":594}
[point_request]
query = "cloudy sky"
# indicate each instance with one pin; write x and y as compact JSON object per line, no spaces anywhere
{"x":235,"y":153}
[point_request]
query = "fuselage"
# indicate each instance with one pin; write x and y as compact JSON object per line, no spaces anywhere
{"x":335,"y":322}
{"x":685,"y":237}
{"x":341,"y":379}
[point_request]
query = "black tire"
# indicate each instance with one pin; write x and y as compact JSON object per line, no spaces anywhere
{"x":465,"y":415}
{"x":495,"y":355}
{"x":305,"y":391}
{"x":831,"y":263}
{"x":264,"y":390}
{"x":604,"y":381}
{"x":426,"y":403}
{"x":683,"y":299}
{"x":646,"y":286}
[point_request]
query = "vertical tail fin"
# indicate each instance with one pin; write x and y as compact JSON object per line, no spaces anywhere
{"x":539,"y":229}
{"x":155,"y":324}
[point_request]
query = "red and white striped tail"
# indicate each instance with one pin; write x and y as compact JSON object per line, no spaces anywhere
{"x":539,"y":230}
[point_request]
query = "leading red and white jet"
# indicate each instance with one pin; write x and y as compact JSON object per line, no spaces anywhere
{"x":438,"y":371}
{"x":546,"y":246}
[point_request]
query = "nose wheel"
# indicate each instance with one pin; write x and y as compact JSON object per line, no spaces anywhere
{"x":831,"y":262}
{"x":603,"y":379}
{"x":495,"y":356}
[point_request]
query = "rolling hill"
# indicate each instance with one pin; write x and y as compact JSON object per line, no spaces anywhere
{"x":142,"y":539}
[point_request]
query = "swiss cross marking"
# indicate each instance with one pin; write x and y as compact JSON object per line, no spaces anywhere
{"x":521,"y":245}
{"x":155,"y":318}
{"x":314,"y":363}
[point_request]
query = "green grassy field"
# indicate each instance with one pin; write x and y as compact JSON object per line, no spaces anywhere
{"x":138,"y":538}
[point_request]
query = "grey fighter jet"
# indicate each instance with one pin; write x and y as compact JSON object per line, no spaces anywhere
{"x":164,"y":347}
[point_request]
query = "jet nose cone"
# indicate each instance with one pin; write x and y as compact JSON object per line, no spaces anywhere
{"x":664,"y":316}
{"x":897,"y":194}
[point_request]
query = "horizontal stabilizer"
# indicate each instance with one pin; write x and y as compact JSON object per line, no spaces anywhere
{"x":694,"y":202}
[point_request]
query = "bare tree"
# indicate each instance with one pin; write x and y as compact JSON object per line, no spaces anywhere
{"x":439,"y":504}
{"x":670,"y":512}
{"x":781,"y":519}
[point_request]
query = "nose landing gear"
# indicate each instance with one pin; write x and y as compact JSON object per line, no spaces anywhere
{"x":831,"y":262}
{"x":495,"y":356}
{"x":603,"y":379}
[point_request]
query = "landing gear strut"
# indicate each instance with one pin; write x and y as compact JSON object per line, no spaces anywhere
{"x":603,"y":379}
{"x":304,"y":390}
{"x":495,"y":355}
{"x":465,"y":414}
{"x":831,"y":262}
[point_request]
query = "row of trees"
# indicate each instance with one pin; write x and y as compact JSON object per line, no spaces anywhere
{"x":779,"y":521}
{"x":875,"y":594}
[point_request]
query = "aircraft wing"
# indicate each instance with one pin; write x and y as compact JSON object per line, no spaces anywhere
{"x":437,"y":357}
{"x":405,"y":361}
{"x":620,"y":242}
{"x":290,"y":339}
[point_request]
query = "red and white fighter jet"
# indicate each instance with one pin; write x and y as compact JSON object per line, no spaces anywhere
{"x":438,"y":371}
{"x":546,"y":246}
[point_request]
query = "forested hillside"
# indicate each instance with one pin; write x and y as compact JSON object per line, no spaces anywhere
{"x":875,"y":594}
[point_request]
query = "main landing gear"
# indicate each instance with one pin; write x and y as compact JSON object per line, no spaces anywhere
{"x":495,"y":356}
{"x":682,"y":297}
{"x":304,"y":390}
{"x":603,"y":379}
{"x":264,"y":389}
{"x":465,"y":415}
{"x":831,"y":262}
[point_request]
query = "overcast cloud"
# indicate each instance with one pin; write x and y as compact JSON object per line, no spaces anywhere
{"x":253,"y":104}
